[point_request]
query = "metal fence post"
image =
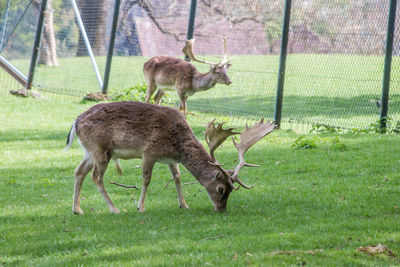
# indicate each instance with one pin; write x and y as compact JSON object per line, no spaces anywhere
{"x":387,"y":64}
{"x":282,"y":62}
{"x":87,"y":43}
{"x":111,"y":47}
{"x":192,"y":16}
{"x":36,"y":45}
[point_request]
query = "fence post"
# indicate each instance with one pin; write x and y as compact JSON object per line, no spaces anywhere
{"x":387,"y":64}
{"x":87,"y":43}
{"x":111,"y":47}
{"x":36,"y":45}
{"x":192,"y":16}
{"x":282,"y":62}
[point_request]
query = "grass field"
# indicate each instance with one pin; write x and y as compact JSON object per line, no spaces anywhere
{"x":310,"y":206}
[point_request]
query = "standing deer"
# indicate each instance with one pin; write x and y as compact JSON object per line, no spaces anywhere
{"x":169,"y":73}
{"x":126,"y":130}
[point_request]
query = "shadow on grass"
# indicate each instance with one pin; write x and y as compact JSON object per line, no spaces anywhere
{"x":33,"y":135}
{"x":295,"y":106}
{"x":265,"y":216}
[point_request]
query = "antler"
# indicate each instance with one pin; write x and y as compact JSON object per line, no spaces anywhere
{"x":225,"y":60}
{"x":215,"y":136}
{"x":188,"y":51}
{"x":248,"y":138}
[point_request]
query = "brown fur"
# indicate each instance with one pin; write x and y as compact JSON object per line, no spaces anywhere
{"x":157,"y":134}
{"x":164,"y":71}
{"x":170,"y":71}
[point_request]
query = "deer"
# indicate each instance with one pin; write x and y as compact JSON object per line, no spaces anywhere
{"x":156,"y":133}
{"x":169,"y":73}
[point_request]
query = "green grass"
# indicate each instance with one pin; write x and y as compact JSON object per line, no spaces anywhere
{"x":326,"y":199}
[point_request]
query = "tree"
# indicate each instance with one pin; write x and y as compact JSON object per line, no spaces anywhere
{"x":94,"y":16}
{"x":48,"y":52}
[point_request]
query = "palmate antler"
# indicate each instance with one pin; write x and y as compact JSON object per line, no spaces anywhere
{"x":248,"y":138}
{"x":216,"y":135}
{"x":188,"y":51}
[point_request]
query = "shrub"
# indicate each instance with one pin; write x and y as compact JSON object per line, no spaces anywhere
{"x":392,"y":127}
{"x":304,"y":142}
{"x":135,"y":93}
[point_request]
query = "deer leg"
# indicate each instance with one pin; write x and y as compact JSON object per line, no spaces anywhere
{"x":185,"y":108}
{"x":147,"y":171}
{"x":100,"y":168}
{"x":80,"y":173}
{"x":174,"y":168}
{"x":182,"y":104}
{"x":157,"y":98}
{"x":151,"y":87}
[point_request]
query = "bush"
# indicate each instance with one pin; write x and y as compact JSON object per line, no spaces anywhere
{"x":135,"y":93}
{"x":392,"y":127}
{"x":304,"y":142}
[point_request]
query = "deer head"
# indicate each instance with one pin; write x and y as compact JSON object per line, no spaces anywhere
{"x":218,"y":69}
{"x":215,"y":136}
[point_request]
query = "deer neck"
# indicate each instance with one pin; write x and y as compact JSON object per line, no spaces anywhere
{"x":202,"y":82}
{"x":196,"y":159}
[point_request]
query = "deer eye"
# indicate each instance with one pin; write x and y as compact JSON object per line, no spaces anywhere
{"x":220,"y":190}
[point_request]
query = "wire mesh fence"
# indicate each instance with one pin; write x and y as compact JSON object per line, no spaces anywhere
{"x":17,"y":31}
{"x":334,"y":65}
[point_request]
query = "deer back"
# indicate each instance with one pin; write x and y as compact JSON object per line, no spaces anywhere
{"x":145,"y":128}
{"x":169,"y":71}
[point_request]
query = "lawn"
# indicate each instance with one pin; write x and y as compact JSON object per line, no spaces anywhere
{"x":309,"y":206}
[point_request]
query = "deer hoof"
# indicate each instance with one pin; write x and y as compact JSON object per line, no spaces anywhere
{"x":77,"y":211}
{"x":185,"y":207}
{"x":114,"y":210}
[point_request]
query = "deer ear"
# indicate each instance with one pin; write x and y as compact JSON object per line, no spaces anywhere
{"x":227,"y":66}
{"x":213,"y":68}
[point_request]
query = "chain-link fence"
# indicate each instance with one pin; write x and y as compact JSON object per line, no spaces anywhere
{"x":333,"y":72}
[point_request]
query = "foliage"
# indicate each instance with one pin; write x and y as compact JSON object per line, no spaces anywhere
{"x":322,"y":128}
{"x":135,"y":93}
{"x":304,"y":142}
{"x":391,"y":127}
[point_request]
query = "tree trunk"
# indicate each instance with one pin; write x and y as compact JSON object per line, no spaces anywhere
{"x":48,"y":52}
{"x":94,"y":17}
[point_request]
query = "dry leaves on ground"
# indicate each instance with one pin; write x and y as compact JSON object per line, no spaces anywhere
{"x":375,"y":250}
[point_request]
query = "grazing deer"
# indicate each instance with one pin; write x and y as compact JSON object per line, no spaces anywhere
{"x":169,"y":73}
{"x":126,"y":130}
